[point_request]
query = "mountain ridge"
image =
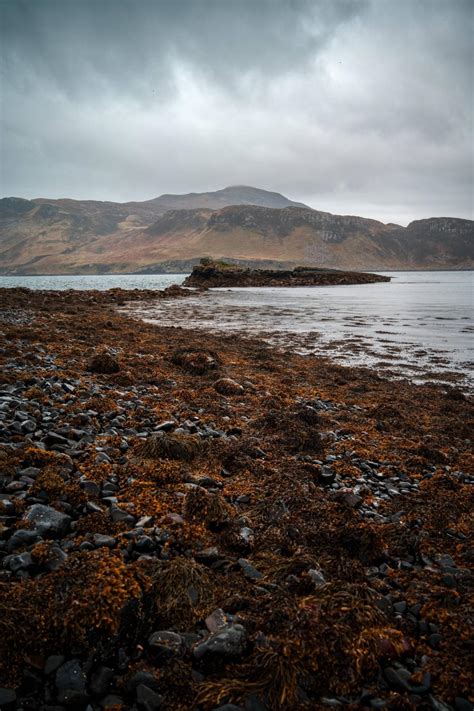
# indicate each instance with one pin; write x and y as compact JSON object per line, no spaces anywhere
{"x":85,"y":236}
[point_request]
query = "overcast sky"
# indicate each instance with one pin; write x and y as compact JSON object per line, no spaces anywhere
{"x":351,"y":106}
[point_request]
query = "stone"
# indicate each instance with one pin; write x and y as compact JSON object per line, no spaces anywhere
{"x":52,"y":663}
{"x":217,"y":620}
{"x":16,"y":563}
{"x":248,"y":569}
{"x":326,"y":475}
{"x":22,"y":537}
{"x":101,"y":540}
{"x":166,"y":644}
{"x":147,"y":699}
{"x":317,"y":577}
{"x":48,"y":522}
{"x":71,"y":683}
{"x":120,"y":516}
{"x":141,"y":677}
{"x":7,"y":698}
{"x":230,"y":642}
{"x":100,"y":680}
{"x":56,"y":557}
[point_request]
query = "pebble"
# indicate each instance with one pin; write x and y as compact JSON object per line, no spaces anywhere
{"x":248,"y":569}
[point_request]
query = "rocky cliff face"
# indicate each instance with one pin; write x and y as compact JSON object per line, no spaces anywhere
{"x":70,"y":236}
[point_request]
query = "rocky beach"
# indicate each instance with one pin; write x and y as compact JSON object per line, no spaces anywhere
{"x":198,"y":521}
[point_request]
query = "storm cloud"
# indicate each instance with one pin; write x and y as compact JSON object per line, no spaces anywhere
{"x":352,"y":106}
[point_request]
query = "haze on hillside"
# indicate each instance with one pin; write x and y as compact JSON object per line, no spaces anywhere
{"x":350,"y":106}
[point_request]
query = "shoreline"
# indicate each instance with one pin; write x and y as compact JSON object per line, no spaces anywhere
{"x":233,"y":524}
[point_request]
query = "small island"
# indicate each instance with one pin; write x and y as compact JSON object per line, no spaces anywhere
{"x":212,"y":274}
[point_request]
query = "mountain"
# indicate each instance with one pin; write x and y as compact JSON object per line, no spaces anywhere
{"x":171,"y":232}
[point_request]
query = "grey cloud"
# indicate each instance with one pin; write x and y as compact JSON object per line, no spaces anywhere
{"x":353,"y":107}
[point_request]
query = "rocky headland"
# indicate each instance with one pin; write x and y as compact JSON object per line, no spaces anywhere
{"x":210,"y":274}
{"x":204,"y":522}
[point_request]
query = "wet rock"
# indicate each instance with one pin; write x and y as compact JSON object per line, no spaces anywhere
{"x":207,"y":555}
{"x":120,"y":516}
{"x":52,"y":663}
{"x":326,"y":475}
{"x":56,"y":558}
{"x":101,"y":540}
{"x":17,"y":563}
{"x":248,"y":569}
{"x":100,"y":680}
{"x":351,"y":500}
{"x":141,"y":677}
{"x":147,"y":699}
{"x":71,"y":683}
{"x":317,"y":577}
{"x":228,"y":643}
{"x":217,"y":620}
{"x":22,"y":538}
{"x":166,"y":644}
{"x":7,"y":698}
{"x":48,"y":522}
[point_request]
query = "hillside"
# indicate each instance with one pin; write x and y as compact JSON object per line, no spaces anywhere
{"x":171,"y":232}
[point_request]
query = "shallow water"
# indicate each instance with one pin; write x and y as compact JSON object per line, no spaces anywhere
{"x":94,"y":281}
{"x":419,"y":325}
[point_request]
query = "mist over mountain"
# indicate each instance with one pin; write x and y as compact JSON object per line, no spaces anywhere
{"x":243,"y":223}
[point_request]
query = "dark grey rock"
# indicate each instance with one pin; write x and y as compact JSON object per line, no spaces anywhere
{"x":101,"y":540}
{"x":142,"y":677}
{"x":248,"y":569}
{"x":52,"y":663}
{"x":120,"y":516}
{"x":56,"y":557}
{"x":327,"y":475}
{"x":22,"y":537}
{"x":100,"y":680}
{"x":228,"y":643}
{"x":47,"y":521}
{"x":166,"y":644}
{"x":71,"y":683}
{"x":7,"y":698}
{"x":147,"y":699}
{"x":16,"y":563}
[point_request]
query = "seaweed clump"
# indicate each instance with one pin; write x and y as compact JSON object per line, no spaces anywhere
{"x":196,"y":361}
{"x":297,"y":429}
{"x":81,"y":605}
{"x":103,"y":363}
{"x":170,"y":446}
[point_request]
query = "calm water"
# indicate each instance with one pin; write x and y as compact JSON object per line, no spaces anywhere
{"x":101,"y":282}
{"x":419,"y":325}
